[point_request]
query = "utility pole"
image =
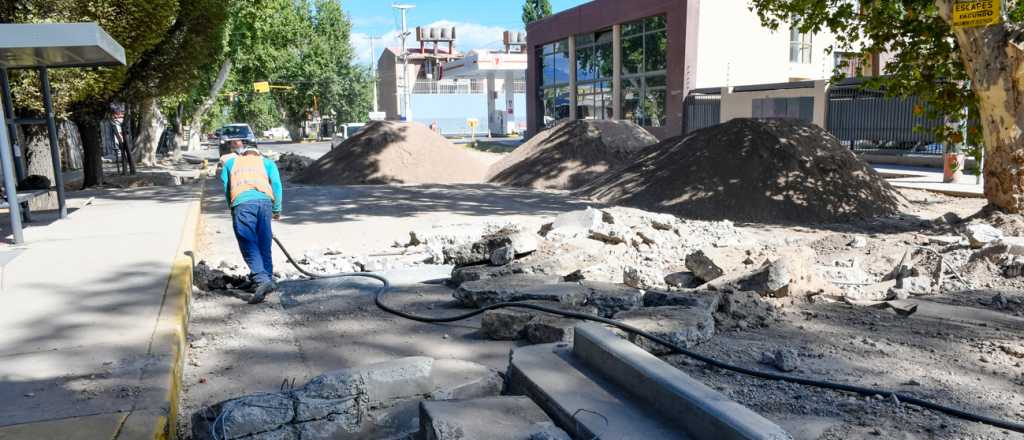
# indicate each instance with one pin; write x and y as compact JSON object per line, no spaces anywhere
{"x":373,"y":71}
{"x":404,"y":8}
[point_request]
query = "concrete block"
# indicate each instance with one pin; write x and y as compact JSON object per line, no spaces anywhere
{"x":249,"y":415}
{"x":701,"y":299}
{"x":682,"y":280}
{"x":980,"y":235}
{"x":547,"y":329}
{"x":612,"y":298}
{"x":476,"y":273}
{"x":505,"y":324}
{"x":377,"y":384}
{"x":703,"y":267}
{"x":519,"y":288}
{"x":561,"y":384}
{"x":457,"y":379}
{"x":683,"y":326}
{"x":496,"y":418}
{"x":576,"y":223}
{"x":706,"y":413}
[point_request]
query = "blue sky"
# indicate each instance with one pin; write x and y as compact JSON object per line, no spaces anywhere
{"x":479,"y":22}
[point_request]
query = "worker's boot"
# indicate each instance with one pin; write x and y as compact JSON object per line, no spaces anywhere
{"x":262,"y":291}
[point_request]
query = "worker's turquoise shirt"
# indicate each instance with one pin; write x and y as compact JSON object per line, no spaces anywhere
{"x":252,"y":194}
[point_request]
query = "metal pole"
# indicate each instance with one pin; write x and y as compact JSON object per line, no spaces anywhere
{"x":373,"y":72}
{"x":10,"y":187}
{"x":405,"y":63}
{"x":5,"y":84}
{"x":51,"y":128}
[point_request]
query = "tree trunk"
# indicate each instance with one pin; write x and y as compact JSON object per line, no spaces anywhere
{"x":150,"y":131}
{"x":196,"y":125}
{"x":179,"y":130}
{"x":995,"y":64}
{"x":38,"y":161}
{"x":70,"y":144}
{"x":92,"y":146}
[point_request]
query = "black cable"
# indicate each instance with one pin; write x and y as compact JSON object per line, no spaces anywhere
{"x":864,"y":391}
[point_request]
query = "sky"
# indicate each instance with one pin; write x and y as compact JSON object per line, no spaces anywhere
{"x":479,"y":23}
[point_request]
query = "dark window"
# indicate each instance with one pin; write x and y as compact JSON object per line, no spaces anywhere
{"x":554,"y":90}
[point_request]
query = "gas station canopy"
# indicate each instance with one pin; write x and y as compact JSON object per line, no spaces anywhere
{"x":481,"y":64}
{"x":57,"y":45}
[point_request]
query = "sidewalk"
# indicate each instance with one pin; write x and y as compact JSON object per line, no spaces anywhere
{"x":91,"y":322}
{"x":930,"y":179}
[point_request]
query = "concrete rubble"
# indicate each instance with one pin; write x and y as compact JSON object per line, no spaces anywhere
{"x":496,"y":418}
{"x":348,"y":404}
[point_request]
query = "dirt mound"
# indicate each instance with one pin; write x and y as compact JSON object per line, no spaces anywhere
{"x":571,"y":154}
{"x":752,"y":170}
{"x":394,"y":153}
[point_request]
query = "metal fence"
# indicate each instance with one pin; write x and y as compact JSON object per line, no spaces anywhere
{"x":460,"y":87}
{"x":701,"y":111}
{"x":867,"y":120}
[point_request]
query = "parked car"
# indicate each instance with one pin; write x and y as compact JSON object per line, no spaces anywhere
{"x":234,"y":132}
{"x":277,"y":133}
{"x":344,"y":132}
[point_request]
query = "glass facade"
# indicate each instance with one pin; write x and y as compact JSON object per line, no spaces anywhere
{"x":594,"y":68}
{"x":644,"y":65}
{"x":554,"y":81}
{"x":643,"y":74}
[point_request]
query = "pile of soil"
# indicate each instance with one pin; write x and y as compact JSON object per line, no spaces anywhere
{"x":394,"y":153}
{"x":571,"y":154}
{"x":752,"y":170}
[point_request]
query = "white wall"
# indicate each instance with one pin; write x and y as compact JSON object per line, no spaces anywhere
{"x":734,"y":49}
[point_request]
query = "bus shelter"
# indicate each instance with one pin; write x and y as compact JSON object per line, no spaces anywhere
{"x":41,"y":47}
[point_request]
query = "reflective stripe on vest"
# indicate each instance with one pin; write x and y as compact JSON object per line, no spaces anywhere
{"x":249,"y":173}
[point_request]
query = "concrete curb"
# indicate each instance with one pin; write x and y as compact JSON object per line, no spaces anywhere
{"x":706,"y":413}
{"x":169,"y":338}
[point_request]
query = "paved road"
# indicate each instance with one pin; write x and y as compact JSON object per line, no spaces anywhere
{"x":311,"y":149}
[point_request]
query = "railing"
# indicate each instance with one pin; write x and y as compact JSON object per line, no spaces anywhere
{"x":867,"y":120}
{"x":460,"y":87}
{"x":701,"y":111}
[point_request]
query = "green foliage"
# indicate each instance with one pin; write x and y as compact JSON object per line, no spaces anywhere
{"x":926,"y":62}
{"x":534,"y":10}
{"x":137,"y":25}
{"x":301,"y":44}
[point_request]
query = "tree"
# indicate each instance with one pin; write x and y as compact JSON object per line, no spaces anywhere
{"x":950,"y":69}
{"x":534,"y":10}
{"x":83,"y":95}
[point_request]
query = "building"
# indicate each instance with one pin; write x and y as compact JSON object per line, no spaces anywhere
{"x":638,"y":60}
{"x":422,"y":72}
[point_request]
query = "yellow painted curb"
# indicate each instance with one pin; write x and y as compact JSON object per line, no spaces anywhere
{"x":171,"y":331}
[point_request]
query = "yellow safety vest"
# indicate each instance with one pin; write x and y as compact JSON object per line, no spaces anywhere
{"x":249,"y":173}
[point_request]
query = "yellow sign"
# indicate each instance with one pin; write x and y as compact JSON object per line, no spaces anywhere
{"x":977,"y":13}
{"x":261,"y":87}
{"x":472,"y":122}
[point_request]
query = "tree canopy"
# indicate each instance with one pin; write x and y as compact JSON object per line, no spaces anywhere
{"x":534,"y":10}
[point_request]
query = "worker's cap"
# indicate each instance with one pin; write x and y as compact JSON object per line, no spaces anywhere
{"x":252,"y":148}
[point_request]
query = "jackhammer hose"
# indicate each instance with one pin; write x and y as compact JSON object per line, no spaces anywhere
{"x":864,"y":391}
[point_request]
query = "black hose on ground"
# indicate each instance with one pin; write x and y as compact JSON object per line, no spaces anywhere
{"x":864,"y":391}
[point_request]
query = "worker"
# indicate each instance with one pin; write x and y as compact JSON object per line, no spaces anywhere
{"x":252,"y":185}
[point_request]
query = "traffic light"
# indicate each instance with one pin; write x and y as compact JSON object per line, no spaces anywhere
{"x":261,"y":87}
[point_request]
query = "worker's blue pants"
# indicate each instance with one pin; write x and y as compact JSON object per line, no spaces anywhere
{"x":255,"y":238}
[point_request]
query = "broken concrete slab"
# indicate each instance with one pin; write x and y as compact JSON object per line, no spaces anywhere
{"x":482,"y":272}
{"x":703,"y":267}
{"x":575,"y":224}
{"x":483,"y":293}
{"x":350,"y":403}
{"x":683,"y":326}
{"x":497,"y":418}
{"x":547,"y":329}
{"x":682,"y":280}
{"x":703,"y":412}
{"x":610,"y":298}
{"x":561,"y":384}
{"x":919,"y":285}
{"x":783,"y":359}
{"x":708,"y":300}
{"x":503,"y":255}
{"x":505,"y":324}
{"x":611,"y":234}
{"x":480,"y":251}
{"x":517,"y":323}
{"x":980,"y":234}
{"x":642,"y":278}
{"x":744,"y":309}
